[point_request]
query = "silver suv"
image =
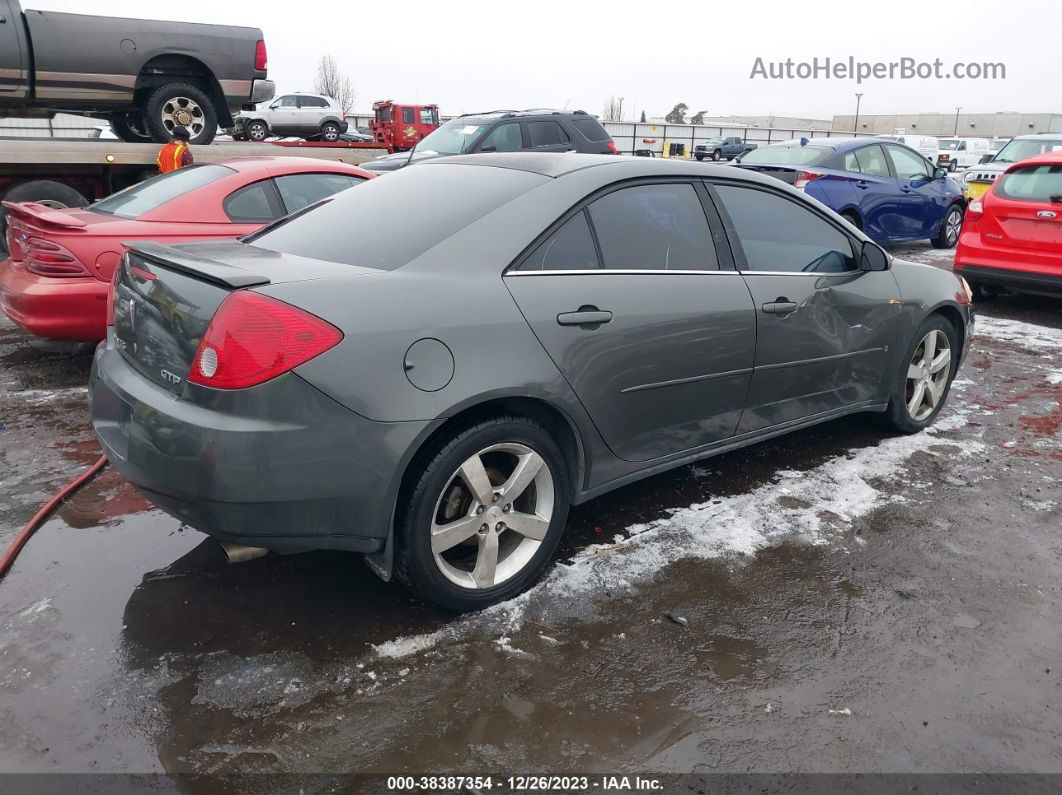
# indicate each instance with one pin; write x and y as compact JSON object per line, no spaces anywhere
{"x":297,"y":114}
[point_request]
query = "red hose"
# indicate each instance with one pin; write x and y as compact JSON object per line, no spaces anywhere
{"x":38,"y":519}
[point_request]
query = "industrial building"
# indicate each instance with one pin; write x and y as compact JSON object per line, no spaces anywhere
{"x":973,"y":125}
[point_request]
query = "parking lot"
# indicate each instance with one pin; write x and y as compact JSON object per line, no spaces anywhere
{"x":838,"y":599}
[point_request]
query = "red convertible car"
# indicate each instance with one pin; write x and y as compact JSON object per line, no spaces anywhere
{"x":61,"y":261}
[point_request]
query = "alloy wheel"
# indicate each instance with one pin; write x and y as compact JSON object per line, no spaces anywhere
{"x":183,"y":112}
{"x":954,"y":226}
{"x":492,"y":515}
{"x":927,"y":374}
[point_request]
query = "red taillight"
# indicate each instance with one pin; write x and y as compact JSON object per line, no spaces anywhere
{"x":260,"y":58}
{"x":253,"y":338}
{"x":804,"y":177}
{"x":975,"y":210}
{"x":46,"y":258}
{"x":612,"y":146}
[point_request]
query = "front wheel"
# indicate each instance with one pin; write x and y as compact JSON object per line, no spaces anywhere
{"x":922,"y":385}
{"x":952,"y":165}
{"x":950,"y":228}
{"x":699,"y":157}
{"x":484,"y":515}
{"x":717,"y":155}
{"x":257,"y":131}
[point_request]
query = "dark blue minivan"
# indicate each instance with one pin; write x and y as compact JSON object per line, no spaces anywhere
{"x":886,"y":189}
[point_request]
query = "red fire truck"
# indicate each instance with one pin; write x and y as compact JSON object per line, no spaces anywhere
{"x":400,"y":127}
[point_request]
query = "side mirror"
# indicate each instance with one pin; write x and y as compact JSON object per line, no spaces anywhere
{"x":940,"y":173}
{"x":873,"y":257}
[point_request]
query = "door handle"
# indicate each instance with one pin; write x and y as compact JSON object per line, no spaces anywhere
{"x":861,"y":184}
{"x":781,"y":306}
{"x":589,"y":317}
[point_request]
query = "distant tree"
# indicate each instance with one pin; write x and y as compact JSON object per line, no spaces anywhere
{"x":642,"y":119}
{"x":677,"y":114}
{"x":613,"y":110}
{"x":698,"y":117}
{"x":331,"y":82}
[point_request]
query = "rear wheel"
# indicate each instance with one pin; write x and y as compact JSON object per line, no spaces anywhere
{"x":952,"y":165}
{"x":484,"y":515}
{"x":181,"y":105}
{"x":853,"y":219}
{"x":330,"y":131}
{"x":950,"y":227}
{"x":43,"y":191}
{"x":131,"y":130}
{"x":922,"y":385}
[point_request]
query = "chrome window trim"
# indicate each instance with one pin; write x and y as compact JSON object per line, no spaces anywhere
{"x":618,"y":271}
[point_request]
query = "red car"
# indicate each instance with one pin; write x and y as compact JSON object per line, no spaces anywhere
{"x":55,"y":283}
{"x":1013,"y":236}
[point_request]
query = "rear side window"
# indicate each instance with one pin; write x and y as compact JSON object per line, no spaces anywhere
{"x":146,"y":196}
{"x":778,"y":235}
{"x":872,"y":161}
{"x":569,"y":248}
{"x":591,"y":128}
{"x":252,"y":204}
{"x":300,"y":190}
{"x":313,"y":102}
{"x":546,"y":133}
{"x":653,"y":227}
{"x":1032,"y":183}
{"x":358,"y":227}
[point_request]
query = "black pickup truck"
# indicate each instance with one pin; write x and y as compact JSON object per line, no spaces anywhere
{"x":145,"y":77}
{"x":722,"y":148}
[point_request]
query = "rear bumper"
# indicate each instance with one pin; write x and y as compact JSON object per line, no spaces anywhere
{"x":312,"y":476}
{"x":54,"y":308}
{"x":1029,"y":281}
{"x":262,"y":91}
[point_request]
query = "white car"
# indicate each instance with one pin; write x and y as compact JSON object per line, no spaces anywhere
{"x":976,"y":180}
{"x":296,"y":114}
{"x":956,"y":153}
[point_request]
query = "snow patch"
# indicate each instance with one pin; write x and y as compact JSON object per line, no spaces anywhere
{"x":1028,"y":335}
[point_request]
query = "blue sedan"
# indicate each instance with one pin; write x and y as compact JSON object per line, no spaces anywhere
{"x":886,"y":189}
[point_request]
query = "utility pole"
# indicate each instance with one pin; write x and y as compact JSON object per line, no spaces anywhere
{"x":621,"y":109}
{"x":957,"y":109}
{"x":855,"y":127}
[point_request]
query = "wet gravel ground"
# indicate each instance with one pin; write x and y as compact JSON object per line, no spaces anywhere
{"x":853,"y":601}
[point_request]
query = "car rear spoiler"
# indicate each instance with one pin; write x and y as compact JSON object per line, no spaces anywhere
{"x":44,"y":214}
{"x":206,"y":269}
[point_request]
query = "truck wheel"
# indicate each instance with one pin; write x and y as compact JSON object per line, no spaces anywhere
{"x":717,"y":155}
{"x":51,"y":194}
{"x":699,"y":157}
{"x":181,"y":105}
{"x":330,"y":131}
{"x":256,"y":131}
{"x":129,"y":130}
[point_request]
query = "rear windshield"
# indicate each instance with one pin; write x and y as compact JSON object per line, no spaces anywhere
{"x":1032,"y":183}
{"x":145,"y":196}
{"x":391,"y":220}
{"x":591,"y":128}
{"x":786,"y":155}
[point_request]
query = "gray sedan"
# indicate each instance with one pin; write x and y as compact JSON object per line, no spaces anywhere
{"x":431,"y":369}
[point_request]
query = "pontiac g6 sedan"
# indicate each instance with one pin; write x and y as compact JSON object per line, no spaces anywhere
{"x":432,"y":368}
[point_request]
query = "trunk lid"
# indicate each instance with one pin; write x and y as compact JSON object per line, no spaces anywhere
{"x":787,"y":174}
{"x":166,"y":296}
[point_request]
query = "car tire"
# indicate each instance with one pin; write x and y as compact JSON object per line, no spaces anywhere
{"x":717,"y":155}
{"x":131,"y":131}
{"x":911,"y":407}
{"x":952,"y":165}
{"x":950,"y":228}
{"x":699,"y":157}
{"x":853,"y":219}
{"x":47,"y":192}
{"x":330,"y":132}
{"x":456,"y":574}
{"x":256,"y":131}
{"x":181,"y":105}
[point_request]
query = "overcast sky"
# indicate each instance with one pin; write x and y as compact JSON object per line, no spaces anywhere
{"x":477,"y":56}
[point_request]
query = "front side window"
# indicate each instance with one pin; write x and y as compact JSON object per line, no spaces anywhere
{"x":251,"y":204}
{"x":1032,"y":183}
{"x":546,"y":133}
{"x":299,"y":190}
{"x":503,"y":138}
{"x":426,"y":116}
{"x":779,"y":235}
{"x":908,"y":165}
{"x":653,"y":227}
{"x":287,"y":102}
{"x":569,"y":248}
{"x":146,"y":196}
{"x":872,"y":161}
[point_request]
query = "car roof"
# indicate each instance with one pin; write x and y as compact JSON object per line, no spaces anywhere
{"x":268,"y":164}
{"x":838,"y":143}
{"x":558,"y":164}
{"x":519,"y":114}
